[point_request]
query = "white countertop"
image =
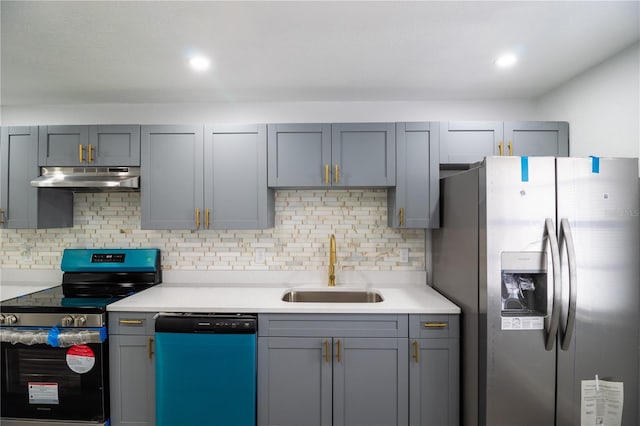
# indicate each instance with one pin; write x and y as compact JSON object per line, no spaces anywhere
{"x":267,"y":298}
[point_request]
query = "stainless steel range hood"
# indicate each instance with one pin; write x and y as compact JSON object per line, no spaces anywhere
{"x":89,"y":179}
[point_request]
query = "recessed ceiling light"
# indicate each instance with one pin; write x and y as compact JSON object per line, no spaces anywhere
{"x":506,"y":60}
{"x":200,"y":63}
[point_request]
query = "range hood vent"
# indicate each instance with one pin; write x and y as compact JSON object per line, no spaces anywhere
{"x":89,"y":179}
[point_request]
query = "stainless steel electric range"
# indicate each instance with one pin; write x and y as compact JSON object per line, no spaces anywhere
{"x":54,"y":347}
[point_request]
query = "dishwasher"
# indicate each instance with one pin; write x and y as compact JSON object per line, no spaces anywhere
{"x":205,"y":369}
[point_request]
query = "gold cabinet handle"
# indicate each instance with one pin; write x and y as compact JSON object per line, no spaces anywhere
{"x":401,"y":216}
{"x":435,"y":324}
{"x":89,"y":154}
{"x":150,"y":347}
{"x":415,"y":351}
{"x":80,"y":153}
{"x":326,"y":351}
{"x":336,"y":176}
{"x":338,"y":343}
{"x":326,"y":174}
{"x":1,"y":216}
{"x":500,"y":148}
{"x":510,"y":145}
{"x":206,"y":218}
{"x":197,"y":218}
{"x":131,"y":322}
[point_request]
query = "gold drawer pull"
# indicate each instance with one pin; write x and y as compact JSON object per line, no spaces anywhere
{"x":326,"y":351}
{"x":435,"y":324}
{"x":500,"y":148}
{"x":337,"y":176}
{"x":338,"y":343}
{"x":80,"y":152}
{"x":326,"y":174}
{"x":415,"y":351}
{"x":197,"y":218}
{"x":89,"y":154}
{"x":510,"y":145}
{"x":131,"y":322}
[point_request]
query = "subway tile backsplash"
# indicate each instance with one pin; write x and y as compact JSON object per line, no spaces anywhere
{"x":299,"y":241}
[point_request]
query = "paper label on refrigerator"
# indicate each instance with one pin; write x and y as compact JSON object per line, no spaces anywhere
{"x":43,"y":393}
{"x":522,"y":323}
{"x":601,"y":403}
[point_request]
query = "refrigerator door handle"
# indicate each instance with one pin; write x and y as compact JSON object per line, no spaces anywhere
{"x":550,"y":231}
{"x":567,"y":238}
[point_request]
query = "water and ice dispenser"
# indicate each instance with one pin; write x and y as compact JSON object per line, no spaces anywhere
{"x":524,"y":289}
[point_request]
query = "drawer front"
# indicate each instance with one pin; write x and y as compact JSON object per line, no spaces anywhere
{"x":138,"y":323}
{"x":324,"y":325}
{"x":433,"y":326}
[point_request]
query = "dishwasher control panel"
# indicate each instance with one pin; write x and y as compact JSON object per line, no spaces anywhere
{"x":206,"y":323}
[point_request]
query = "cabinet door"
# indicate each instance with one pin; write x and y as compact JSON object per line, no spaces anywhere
{"x":63,"y":146}
{"x":235,"y":175}
{"x":299,"y":155}
{"x":537,"y":138}
{"x":434,"y":382}
{"x":23,"y":205}
{"x":294,"y":381}
{"x":466,"y":142}
{"x":132,"y":380}
{"x":370,"y":381}
{"x":363,"y":154}
{"x":172,"y":185}
{"x":413,"y":203}
{"x":114,"y":145}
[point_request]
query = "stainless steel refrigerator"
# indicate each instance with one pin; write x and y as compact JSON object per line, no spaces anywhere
{"x":542,"y":254}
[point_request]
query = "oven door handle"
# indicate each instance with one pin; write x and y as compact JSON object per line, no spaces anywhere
{"x":53,"y":336}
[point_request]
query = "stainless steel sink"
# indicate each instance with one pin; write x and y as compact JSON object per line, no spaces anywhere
{"x":325,"y":296}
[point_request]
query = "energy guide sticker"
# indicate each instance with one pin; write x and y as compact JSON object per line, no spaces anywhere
{"x":43,"y":393}
{"x":80,"y":359}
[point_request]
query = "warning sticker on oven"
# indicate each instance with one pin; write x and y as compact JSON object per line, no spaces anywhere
{"x":43,"y":393}
{"x":80,"y":359}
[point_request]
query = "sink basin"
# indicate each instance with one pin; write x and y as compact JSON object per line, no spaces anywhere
{"x":325,"y":296}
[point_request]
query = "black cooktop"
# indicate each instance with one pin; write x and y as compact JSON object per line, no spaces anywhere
{"x":54,"y":300}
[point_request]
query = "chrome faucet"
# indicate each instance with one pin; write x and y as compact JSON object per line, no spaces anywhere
{"x":332,"y":261}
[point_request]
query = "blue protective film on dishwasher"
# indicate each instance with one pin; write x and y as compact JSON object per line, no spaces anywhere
{"x":595,"y":164}
{"x":524,"y":169}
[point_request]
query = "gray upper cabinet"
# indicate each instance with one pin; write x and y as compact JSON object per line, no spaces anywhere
{"x":299,"y":155}
{"x":332,"y":155}
{"x":235,"y":178}
{"x":171,"y":188}
{"x":465,"y":142}
{"x":413,"y":202}
{"x":22,"y":205}
{"x":537,"y":138}
{"x":115,"y":145}
{"x":106,"y":145}
{"x":217,"y":181}
{"x":363,"y":154}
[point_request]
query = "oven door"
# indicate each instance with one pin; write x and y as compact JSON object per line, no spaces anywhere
{"x":41,"y":381}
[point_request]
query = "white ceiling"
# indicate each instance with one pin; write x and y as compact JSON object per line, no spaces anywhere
{"x":81,"y":52}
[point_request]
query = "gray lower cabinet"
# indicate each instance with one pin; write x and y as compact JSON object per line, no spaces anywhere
{"x":217,"y":180}
{"x":332,"y":370}
{"x":466,"y":142}
{"x":104,"y":145}
{"x":132,"y":369}
{"x":21,"y":205}
{"x":332,"y":155}
{"x":413,"y":202}
{"x":434,"y":381}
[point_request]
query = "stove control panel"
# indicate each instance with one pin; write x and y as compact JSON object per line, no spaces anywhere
{"x":42,"y":319}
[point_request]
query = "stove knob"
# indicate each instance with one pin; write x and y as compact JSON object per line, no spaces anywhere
{"x":79,"y":321}
{"x":11,"y":319}
{"x":67,"y":321}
